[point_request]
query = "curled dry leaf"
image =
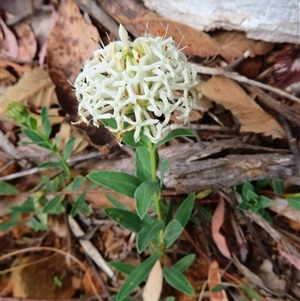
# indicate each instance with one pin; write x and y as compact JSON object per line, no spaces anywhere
{"x":9,"y":46}
{"x":250,"y":115}
{"x":216,"y":224}
{"x":154,"y":283}
{"x":270,"y":279}
{"x":294,"y":260}
{"x":253,"y":277}
{"x":27,"y":42}
{"x":234,"y":44}
{"x":34,"y":88}
{"x":214,"y":278}
{"x":287,"y":66}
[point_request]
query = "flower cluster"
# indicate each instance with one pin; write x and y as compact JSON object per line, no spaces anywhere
{"x":139,"y":84}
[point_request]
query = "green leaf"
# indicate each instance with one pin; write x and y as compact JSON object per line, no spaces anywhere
{"x":49,"y":165}
{"x":184,"y":211}
{"x":143,"y":196}
{"x":175,"y":133}
{"x":116,"y":203}
{"x":122,"y":267}
{"x":118,"y":181}
{"x":69,"y":148}
{"x":32,"y":123}
{"x":36,"y":137}
{"x":78,"y":205}
{"x":57,"y":281}
{"x":262,"y":183}
{"x":246,"y":187}
{"x":143,"y":164}
{"x":163,"y":169}
{"x":251,"y":195}
{"x":294,"y":201}
{"x":220,"y":287}
{"x":206,"y":214}
{"x":278,"y":186}
{"x":172,"y":232}
{"x":51,"y":185}
{"x":75,"y":184}
{"x":264,"y":202}
{"x":46,"y":122}
{"x":14,"y":220}
{"x":170,"y":298}
{"x":177,"y":280}
{"x":36,"y":225}
{"x":147,"y":233}
{"x":183,"y":264}
{"x":125,"y":218}
{"x":26,"y":207}
{"x":7,"y":189}
{"x":250,"y":291}
{"x":136,"y":277}
{"x":51,"y":206}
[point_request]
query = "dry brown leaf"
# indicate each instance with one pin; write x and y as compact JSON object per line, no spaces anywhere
{"x":136,"y":18}
{"x":234,"y":44}
{"x":270,"y":279}
{"x":6,"y":78}
{"x":250,"y":115}
{"x":282,"y":207}
{"x":154,"y":283}
{"x":27,"y":42}
{"x":216,"y":224}
{"x":66,"y":131}
{"x":34,"y":88}
{"x":214,"y":279}
{"x":70,"y":44}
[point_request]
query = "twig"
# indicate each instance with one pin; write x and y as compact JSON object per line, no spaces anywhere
{"x":107,"y":295}
{"x":273,"y":104}
{"x":237,"y":61}
{"x":36,"y":169}
{"x":90,"y":249}
{"x":292,"y":142}
{"x":243,"y":79}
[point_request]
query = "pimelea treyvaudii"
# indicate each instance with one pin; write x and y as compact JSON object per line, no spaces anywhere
{"x":139,"y":84}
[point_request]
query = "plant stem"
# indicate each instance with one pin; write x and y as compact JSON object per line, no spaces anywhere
{"x":156,"y":197}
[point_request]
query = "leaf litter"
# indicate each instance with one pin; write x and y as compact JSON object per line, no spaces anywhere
{"x":70,"y":44}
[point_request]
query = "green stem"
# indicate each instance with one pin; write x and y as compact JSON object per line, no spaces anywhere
{"x":157,"y":196}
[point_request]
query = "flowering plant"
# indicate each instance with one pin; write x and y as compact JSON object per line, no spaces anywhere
{"x":133,"y":88}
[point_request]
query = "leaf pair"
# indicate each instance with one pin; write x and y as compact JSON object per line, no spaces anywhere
{"x":173,"y":275}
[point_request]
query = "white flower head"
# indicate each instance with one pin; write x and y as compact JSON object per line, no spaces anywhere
{"x":139,"y":84}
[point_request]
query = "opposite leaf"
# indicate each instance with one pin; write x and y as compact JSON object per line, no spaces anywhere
{"x":143,"y":196}
{"x":136,"y":277}
{"x":145,"y":236}
{"x":177,"y":280}
{"x":118,"y":181}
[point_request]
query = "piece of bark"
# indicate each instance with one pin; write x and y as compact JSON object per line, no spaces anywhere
{"x":190,"y":171}
{"x":256,"y":17}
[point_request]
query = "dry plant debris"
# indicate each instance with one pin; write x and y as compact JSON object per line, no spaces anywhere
{"x":248,"y":131}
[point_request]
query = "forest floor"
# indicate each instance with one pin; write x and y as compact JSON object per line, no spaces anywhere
{"x":248,"y":140}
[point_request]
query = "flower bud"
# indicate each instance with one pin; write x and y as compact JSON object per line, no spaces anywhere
{"x":18,"y":112}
